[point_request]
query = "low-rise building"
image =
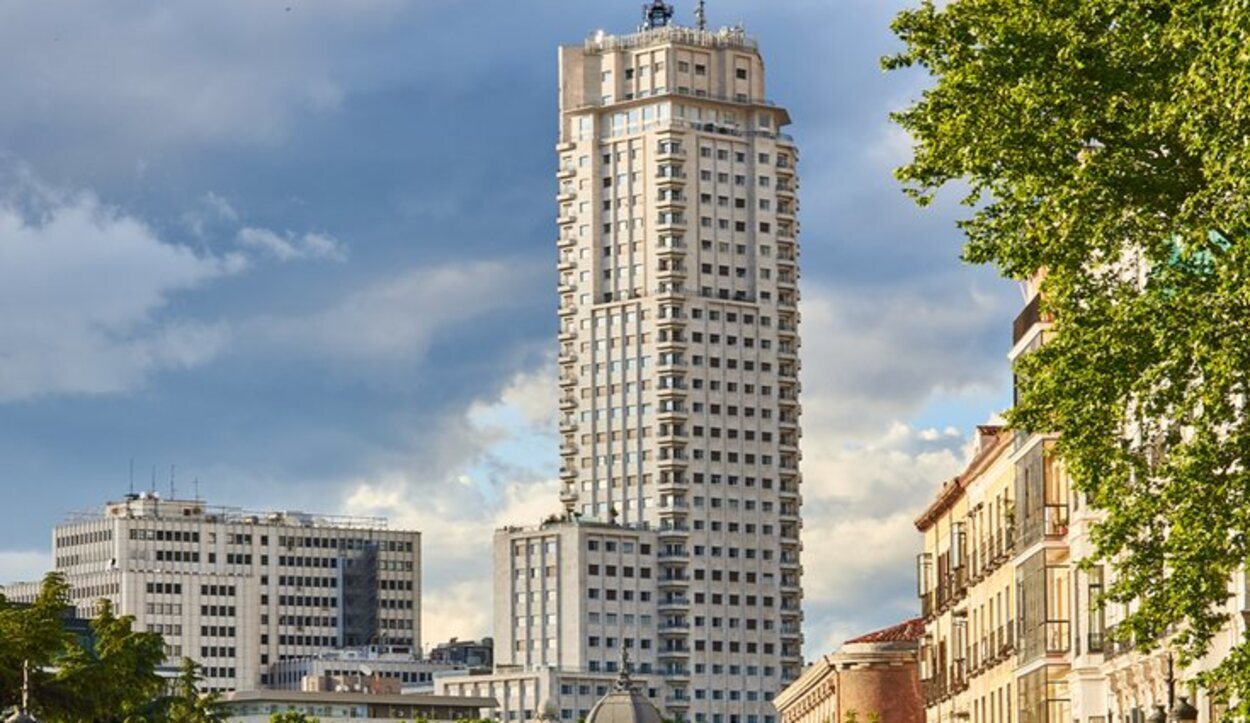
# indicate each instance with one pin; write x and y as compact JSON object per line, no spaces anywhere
{"x":967,"y":588}
{"x":871,"y":678}
{"x":240,"y":591}
{"x":371,"y":668}
{"x":570,"y":595}
{"x":255,"y":706}
{"x":465,"y":653}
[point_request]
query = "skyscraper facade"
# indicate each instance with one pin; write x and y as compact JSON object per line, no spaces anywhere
{"x":679,"y":346}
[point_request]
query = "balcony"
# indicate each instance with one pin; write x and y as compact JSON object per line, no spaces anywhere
{"x":673,"y":627}
{"x":1049,"y":522}
{"x":1116,"y":643}
{"x":678,"y":602}
{"x":1030,"y":315}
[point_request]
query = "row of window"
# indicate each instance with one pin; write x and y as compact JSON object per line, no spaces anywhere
{"x":219,"y":590}
{"x":308,"y":621}
{"x":307,"y":581}
{"x":177,"y":556}
{"x":308,"y":601}
{"x":161,"y":535}
{"x":85,"y":538}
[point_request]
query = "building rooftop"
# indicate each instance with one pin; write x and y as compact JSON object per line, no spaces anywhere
{"x":907,"y":631}
{"x":150,"y":506}
{"x":302,"y":696}
{"x":735,"y":37}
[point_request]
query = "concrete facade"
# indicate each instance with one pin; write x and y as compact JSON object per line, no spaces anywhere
{"x":353,"y":669}
{"x":238,"y":591}
{"x":967,"y":588}
{"x":570,"y":596}
{"x":1015,"y":631}
{"x":678,"y":349}
{"x":336,"y":707}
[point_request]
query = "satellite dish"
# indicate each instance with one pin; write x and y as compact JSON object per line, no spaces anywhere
{"x":366,"y":670}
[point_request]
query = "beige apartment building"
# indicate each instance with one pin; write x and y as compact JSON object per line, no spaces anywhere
{"x":678,"y":346}
{"x":240,"y":591}
{"x":967,"y":589}
{"x":1079,"y":668}
{"x":1015,"y":625}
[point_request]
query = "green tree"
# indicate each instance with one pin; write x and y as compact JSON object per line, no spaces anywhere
{"x":187,"y":704}
{"x":114,"y":679}
{"x":1103,"y":144}
{"x":34,"y":634}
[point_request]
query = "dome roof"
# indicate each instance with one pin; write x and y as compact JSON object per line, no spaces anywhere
{"x":623,"y":704}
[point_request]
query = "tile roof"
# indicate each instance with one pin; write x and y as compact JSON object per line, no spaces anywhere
{"x":910,"y":630}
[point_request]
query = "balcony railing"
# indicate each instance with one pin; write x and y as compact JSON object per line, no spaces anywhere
{"x":1030,"y":315}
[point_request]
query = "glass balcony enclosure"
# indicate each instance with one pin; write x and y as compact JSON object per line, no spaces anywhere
{"x":1041,"y":497}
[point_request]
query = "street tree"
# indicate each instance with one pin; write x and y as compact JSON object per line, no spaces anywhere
{"x":187,"y":704}
{"x":1103,"y":147}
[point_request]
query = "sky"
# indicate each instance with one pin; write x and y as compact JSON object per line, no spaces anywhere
{"x":300,"y":254}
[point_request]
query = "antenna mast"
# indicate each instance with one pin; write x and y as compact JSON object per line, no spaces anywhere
{"x":700,"y":16}
{"x":656,"y":15}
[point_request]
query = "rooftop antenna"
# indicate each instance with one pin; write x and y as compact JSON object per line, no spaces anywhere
{"x":700,"y":16}
{"x":657,"y":15}
{"x":132,"y":475}
{"x":197,"y":488}
{"x":172,"y":488}
{"x":153,"y":483}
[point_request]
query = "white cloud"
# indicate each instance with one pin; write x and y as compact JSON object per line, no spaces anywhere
{"x":288,"y":246}
{"x":220,"y":206}
{"x":447,"y":493}
{"x":864,"y":496}
{"x":24,"y":565}
{"x":869,"y":360}
{"x":83,"y":288}
{"x":131,"y":76}
{"x":394,"y":319}
{"x":867,"y":364}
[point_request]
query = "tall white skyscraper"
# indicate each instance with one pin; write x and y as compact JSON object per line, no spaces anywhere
{"x":679,"y":394}
{"x":679,"y":345}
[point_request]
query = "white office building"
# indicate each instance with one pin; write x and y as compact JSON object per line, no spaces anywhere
{"x":240,"y":591}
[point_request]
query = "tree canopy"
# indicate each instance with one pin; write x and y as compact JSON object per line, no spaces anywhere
{"x":1105,"y":146}
{"x":112,"y":677}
